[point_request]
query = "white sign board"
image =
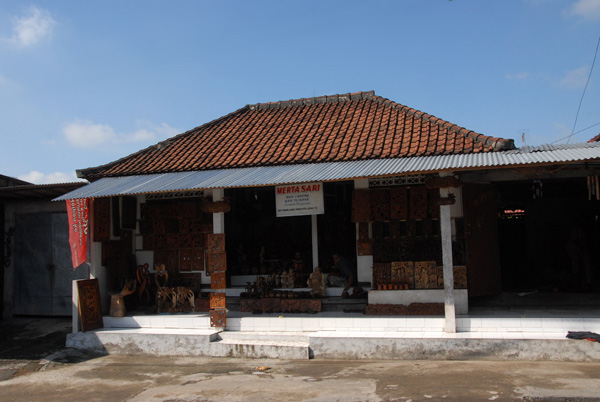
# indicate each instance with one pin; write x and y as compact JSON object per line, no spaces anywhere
{"x":299,"y":199}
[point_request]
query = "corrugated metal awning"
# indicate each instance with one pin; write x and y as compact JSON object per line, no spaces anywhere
{"x":332,"y":171}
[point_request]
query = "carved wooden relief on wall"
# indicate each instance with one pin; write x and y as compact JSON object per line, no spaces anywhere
{"x":218,"y":318}
{"x":217,"y":300}
{"x":361,"y":206}
{"x":216,"y":262}
{"x":380,"y":205}
{"x":215,"y":243}
{"x":218,"y":280}
{"x":418,"y":203}
{"x":101,"y":219}
{"x":399,"y":203}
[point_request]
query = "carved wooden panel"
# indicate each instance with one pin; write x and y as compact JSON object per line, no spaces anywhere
{"x":185,"y":259}
{"x":381,"y":273}
{"x":399,"y":203}
{"x":421,"y":277}
{"x":418,"y":203}
{"x":395,"y":229}
{"x":361,"y":206}
{"x":460,"y":277}
{"x":363,"y":230}
{"x":217,"y":300}
{"x":434,"y":207}
{"x":184,"y":226}
{"x":207,"y":228}
{"x":168,"y":257}
{"x":172,"y":241}
{"x":172,"y":225}
{"x":90,"y":310}
{"x":216,"y":262}
{"x":101,"y":219}
{"x":160,"y":241}
{"x":364,"y":247}
{"x":198,"y":259}
{"x":406,"y":250}
{"x":128,"y":212}
{"x":215,"y":243}
{"x":195,"y":225}
{"x":380,"y":205}
{"x":218,"y":280}
{"x":218,"y":318}
{"x":160,"y":226}
{"x":187,"y":209}
{"x":198,"y":240}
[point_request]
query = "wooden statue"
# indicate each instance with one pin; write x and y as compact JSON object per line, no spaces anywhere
{"x":316,"y":282}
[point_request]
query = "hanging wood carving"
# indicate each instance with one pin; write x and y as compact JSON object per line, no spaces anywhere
{"x":382,"y":274}
{"x":364,"y":247}
{"x":215,"y":243}
{"x":101,"y":219}
{"x":216,"y":262}
{"x":218,"y":280}
{"x":216,"y":206}
{"x":363,"y":230}
{"x":380,"y":205}
{"x":218,"y":318}
{"x":399,"y":203}
{"x":361,"y":206}
{"x":90,"y":310}
{"x":418,"y":203}
{"x":217,"y":300}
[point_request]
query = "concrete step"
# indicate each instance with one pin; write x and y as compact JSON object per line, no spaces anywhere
{"x":276,"y":345}
{"x":238,"y":336}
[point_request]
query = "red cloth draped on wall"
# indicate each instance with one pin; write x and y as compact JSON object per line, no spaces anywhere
{"x":78,"y":213}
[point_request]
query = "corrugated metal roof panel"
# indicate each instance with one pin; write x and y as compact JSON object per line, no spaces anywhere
{"x":332,"y":171}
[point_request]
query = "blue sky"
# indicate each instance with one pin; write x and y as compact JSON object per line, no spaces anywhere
{"x":85,"y":83}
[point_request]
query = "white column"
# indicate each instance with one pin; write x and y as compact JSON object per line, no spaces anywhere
{"x":315,"y":241}
{"x":219,"y":217}
{"x":75,"y":310}
{"x":364,"y":263}
{"x":446,"y":232}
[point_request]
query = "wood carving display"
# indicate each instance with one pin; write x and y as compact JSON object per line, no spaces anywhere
{"x":117,"y":301}
{"x":217,"y":300}
{"x":382,"y":273}
{"x":215,"y":243}
{"x":101,"y":219}
{"x":216,"y":207}
{"x":361,"y":206}
{"x":90,"y":310}
{"x":218,"y":280}
{"x":460,"y":277}
{"x":216,"y":262}
{"x":380,"y":205}
{"x":399,"y":203}
{"x":218,"y":318}
{"x":363,"y":230}
{"x":364,"y":247}
{"x":418,"y":203}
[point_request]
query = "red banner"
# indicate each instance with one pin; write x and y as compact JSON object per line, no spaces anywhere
{"x":78,"y":213}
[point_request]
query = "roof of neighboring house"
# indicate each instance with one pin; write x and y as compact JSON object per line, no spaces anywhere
{"x":37,"y":191}
{"x":338,"y":128}
{"x":595,"y":139}
{"x":7,"y":181}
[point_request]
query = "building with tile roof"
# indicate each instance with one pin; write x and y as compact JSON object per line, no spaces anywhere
{"x":393,"y":187}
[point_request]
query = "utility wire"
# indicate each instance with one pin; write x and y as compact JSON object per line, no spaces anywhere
{"x":584,"y":89}
{"x":572,"y":134}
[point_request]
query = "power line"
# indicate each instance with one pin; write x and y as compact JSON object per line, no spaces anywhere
{"x":584,"y":89}
{"x":572,"y":134}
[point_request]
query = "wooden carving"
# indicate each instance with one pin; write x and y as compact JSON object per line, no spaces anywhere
{"x":90,"y":310}
{"x":380,"y":205}
{"x":215,"y":242}
{"x":218,"y":318}
{"x":218,"y":280}
{"x":217,"y":300}
{"x":216,"y":206}
{"x":364,"y":247}
{"x":363,"y":230}
{"x":418,"y":203}
{"x":361,"y":206}
{"x":399,"y":203}
{"x":460,"y":277}
{"x":381,"y":273}
{"x":421,"y":277}
{"x":216,"y":262}
{"x":101,"y":219}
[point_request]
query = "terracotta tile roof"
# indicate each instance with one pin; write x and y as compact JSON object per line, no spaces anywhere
{"x":595,"y":139}
{"x":347,"y":127}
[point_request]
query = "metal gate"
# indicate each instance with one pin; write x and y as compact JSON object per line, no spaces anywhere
{"x":42,"y":265}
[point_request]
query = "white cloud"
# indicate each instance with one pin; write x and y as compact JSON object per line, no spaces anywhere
{"x":517,"y":76}
{"x":588,"y":9}
{"x":32,"y":28}
{"x":87,"y":134}
{"x":36,"y":177}
{"x":575,"y":78}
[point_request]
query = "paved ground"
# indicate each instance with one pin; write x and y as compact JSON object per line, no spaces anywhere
{"x":34,"y":365}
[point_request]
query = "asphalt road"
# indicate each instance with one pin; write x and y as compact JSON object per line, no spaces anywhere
{"x":35,"y":366}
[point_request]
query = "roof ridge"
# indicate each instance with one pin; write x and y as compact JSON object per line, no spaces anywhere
{"x":313,"y":100}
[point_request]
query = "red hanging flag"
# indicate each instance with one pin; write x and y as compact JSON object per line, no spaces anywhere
{"x":77,"y":211}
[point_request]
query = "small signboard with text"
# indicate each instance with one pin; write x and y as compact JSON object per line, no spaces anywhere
{"x":299,"y":199}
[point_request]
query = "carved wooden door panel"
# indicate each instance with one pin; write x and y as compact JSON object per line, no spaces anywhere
{"x":481,"y":233}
